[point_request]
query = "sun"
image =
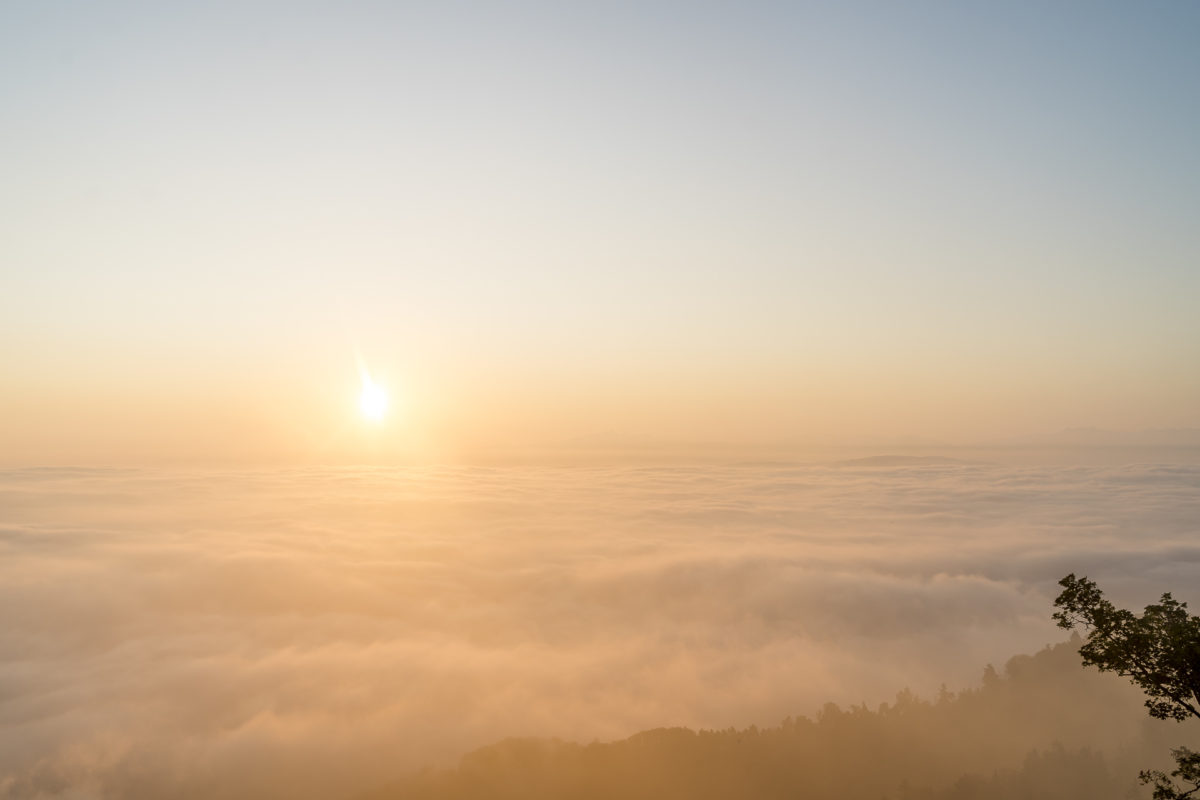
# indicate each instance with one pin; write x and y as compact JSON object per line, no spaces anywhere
{"x":373,"y":401}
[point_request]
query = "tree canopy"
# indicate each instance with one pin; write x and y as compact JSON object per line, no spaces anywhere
{"x":1158,"y":650}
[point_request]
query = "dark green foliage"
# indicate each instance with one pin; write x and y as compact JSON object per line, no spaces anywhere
{"x":1159,"y":651}
{"x":1187,"y":769}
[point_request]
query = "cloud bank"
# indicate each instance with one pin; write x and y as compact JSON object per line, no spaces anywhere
{"x":307,"y":633}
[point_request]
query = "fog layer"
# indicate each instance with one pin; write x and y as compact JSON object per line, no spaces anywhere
{"x":310,"y":633}
{"x":1042,"y":730}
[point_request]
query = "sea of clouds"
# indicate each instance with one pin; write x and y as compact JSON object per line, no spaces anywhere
{"x":307,"y":633}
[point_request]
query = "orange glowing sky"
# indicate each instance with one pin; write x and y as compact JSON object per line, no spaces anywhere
{"x":744,"y":225}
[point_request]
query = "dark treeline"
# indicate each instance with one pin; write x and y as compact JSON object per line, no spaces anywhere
{"x":1043,"y":727}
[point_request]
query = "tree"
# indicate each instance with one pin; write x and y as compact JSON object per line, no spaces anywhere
{"x":1159,"y":651}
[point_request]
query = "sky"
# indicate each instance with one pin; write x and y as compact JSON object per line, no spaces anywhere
{"x":685,"y":222}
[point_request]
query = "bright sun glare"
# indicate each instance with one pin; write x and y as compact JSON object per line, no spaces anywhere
{"x":373,"y":401}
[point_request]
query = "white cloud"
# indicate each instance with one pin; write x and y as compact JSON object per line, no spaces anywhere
{"x":308,"y":631}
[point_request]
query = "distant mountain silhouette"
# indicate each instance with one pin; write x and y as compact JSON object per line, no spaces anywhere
{"x":899,"y":461}
{"x":1100,"y":437}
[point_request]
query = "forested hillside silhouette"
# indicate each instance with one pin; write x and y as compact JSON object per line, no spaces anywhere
{"x":1040,"y":728}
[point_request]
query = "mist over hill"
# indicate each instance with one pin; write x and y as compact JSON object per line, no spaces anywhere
{"x":312,"y":633}
{"x":1040,"y":728}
